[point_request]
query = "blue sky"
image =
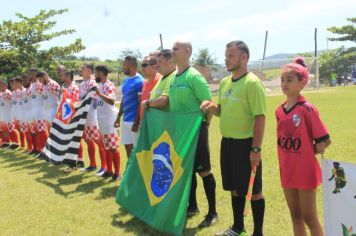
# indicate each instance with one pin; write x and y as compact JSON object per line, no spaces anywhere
{"x":108,"y":26}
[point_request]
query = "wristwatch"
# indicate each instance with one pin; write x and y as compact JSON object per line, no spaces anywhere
{"x":147,"y":103}
{"x":256,"y":149}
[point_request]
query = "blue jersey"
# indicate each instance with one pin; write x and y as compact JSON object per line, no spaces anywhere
{"x":131,"y":89}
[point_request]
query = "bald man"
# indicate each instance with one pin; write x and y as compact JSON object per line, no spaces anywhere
{"x":188,"y":90}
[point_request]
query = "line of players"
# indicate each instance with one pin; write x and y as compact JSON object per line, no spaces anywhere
{"x":28,"y":105}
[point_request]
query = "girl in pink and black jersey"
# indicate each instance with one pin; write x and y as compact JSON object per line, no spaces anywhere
{"x":301,"y":135}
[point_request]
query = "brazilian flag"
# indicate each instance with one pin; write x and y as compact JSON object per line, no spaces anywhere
{"x":156,"y":184}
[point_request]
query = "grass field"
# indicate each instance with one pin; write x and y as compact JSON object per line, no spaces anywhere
{"x":40,"y":199}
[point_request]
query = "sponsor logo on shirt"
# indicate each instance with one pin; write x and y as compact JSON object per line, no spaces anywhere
{"x":289,"y":144}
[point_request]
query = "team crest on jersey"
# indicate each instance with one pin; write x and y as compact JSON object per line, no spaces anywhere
{"x":296,"y":120}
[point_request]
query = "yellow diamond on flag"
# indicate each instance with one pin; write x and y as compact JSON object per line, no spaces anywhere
{"x":161,"y":168}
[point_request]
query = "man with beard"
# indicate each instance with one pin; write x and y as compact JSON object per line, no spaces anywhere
{"x":241,"y":108}
{"x":107,"y":113}
{"x":72,"y":88}
{"x":91,"y":131}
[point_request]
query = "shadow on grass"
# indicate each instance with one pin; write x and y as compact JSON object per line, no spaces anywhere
{"x":135,"y":226}
{"x":107,"y":192}
{"x":52,"y":175}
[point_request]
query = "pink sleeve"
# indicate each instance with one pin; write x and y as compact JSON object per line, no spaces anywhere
{"x":55,"y":88}
{"x":316,"y":126}
{"x":110,"y":91}
{"x":77,"y":93}
{"x":40,"y":88}
{"x":8,"y":96}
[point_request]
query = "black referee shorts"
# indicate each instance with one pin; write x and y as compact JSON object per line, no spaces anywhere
{"x":236,"y":166}
{"x":202,"y":154}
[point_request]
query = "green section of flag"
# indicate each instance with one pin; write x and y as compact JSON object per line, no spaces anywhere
{"x":156,"y":184}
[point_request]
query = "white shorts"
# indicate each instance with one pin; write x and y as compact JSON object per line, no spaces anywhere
{"x":127,"y":136}
{"x":38,"y":113}
{"x":50,"y":114}
{"x":92,"y":119}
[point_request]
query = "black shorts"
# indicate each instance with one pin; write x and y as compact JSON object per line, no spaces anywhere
{"x":236,"y":166}
{"x":202,"y":154}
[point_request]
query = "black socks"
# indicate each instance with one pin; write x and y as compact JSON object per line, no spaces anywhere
{"x":258,"y":212}
{"x":238,"y":207}
{"x":209,"y":187}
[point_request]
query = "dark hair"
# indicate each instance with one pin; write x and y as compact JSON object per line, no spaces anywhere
{"x":89,"y":66}
{"x":41,"y":74}
{"x":102,"y":68}
{"x":166,"y":53}
{"x":152,"y":60}
{"x":131,"y":59}
{"x":241,"y":45}
{"x":18,"y":79}
{"x":33,"y":70}
{"x":70,"y":74}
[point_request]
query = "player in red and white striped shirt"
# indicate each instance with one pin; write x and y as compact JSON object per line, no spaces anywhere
{"x":39,"y":127}
{"x":91,"y":132}
{"x":107,"y":113}
{"x":26,"y":116}
{"x":50,"y":97}
{"x":73,"y":89}
{"x":16,"y":112}
{"x":9,"y":127}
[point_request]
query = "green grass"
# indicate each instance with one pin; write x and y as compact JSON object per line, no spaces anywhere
{"x":39,"y":199}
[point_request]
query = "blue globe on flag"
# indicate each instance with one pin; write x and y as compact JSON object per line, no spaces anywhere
{"x":163,"y":173}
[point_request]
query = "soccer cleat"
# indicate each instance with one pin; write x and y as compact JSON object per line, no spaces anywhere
{"x":192,"y":212}
{"x":32,"y":152}
{"x":89,"y":169}
{"x":39,"y":155}
{"x":80,"y":164}
{"x":36,"y":153}
{"x":115,"y":177}
{"x":100,"y":172}
{"x":232,"y":232}
{"x":14,"y":147}
{"x":5,"y":145}
{"x":107,"y":174}
{"x":209,"y":220}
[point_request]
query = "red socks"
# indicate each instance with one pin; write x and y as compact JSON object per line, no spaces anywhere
{"x":28,"y":140}
{"x":113,"y":157}
{"x":116,"y":160}
{"x":34,"y":138}
{"x":91,"y":151}
{"x":108,"y":161}
{"x":80,"y":151}
{"x":42,"y":139}
{"x":13,"y":136}
{"x":102,"y":153}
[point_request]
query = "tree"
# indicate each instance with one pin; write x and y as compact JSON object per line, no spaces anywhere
{"x":347,"y":32}
{"x":339,"y":60}
{"x":22,"y":39}
{"x":130,"y":52}
{"x":204,"y":58}
{"x":335,"y":60}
